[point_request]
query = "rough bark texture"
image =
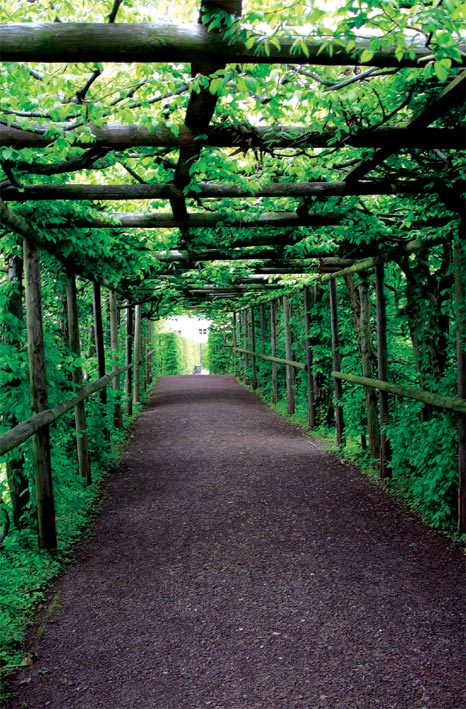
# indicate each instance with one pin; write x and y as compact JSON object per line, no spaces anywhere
{"x":235,"y":564}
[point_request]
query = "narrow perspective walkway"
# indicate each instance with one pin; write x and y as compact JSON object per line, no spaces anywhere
{"x":235,"y":564}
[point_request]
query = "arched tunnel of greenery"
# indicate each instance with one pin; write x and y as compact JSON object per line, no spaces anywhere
{"x":293,"y":173}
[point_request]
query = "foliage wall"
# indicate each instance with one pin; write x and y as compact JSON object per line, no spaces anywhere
{"x":422,"y":354}
{"x":175,"y":354}
{"x":23,"y":568}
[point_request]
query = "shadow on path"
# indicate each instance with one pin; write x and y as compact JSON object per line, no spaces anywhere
{"x":236,"y":565}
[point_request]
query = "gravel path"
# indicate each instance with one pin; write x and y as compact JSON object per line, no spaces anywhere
{"x":235,"y":564}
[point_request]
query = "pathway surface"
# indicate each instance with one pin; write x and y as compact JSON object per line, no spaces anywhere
{"x":237,"y":565}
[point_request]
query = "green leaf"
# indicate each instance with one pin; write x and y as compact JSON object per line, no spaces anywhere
{"x":366,"y":56}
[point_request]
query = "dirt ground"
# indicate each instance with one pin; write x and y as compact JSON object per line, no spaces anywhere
{"x":237,"y":564}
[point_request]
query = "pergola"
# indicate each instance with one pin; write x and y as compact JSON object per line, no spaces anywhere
{"x":256,"y":240}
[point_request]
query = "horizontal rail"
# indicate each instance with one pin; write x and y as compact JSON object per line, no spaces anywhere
{"x":150,"y":42}
{"x":411,"y":247}
{"x":73,"y":191}
{"x":122,"y":136}
{"x":24,"y":430}
{"x":280,"y":360}
{"x":452,"y":403}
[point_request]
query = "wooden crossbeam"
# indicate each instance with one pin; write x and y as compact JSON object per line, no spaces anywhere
{"x":149,"y":42}
{"x":452,"y":95}
{"x":205,"y":190}
{"x":274,"y":220}
{"x":121,"y":137}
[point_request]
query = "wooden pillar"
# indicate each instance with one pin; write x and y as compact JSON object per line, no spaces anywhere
{"x":100,"y":351}
{"x":234,"y":342}
{"x":460,"y":314}
{"x":150,"y":360}
{"x":253,"y":348}
{"x":336,"y":362}
{"x":129,"y":358}
{"x":18,"y":484}
{"x":47,"y":532}
{"x":263,"y":327}
{"x":290,"y":373}
{"x":308,"y":303}
{"x":246,"y":344}
{"x":137,"y":353}
{"x":368,"y":364}
{"x":82,"y":447}
{"x":116,"y":381}
{"x":382,"y":365}
{"x":273,"y":348}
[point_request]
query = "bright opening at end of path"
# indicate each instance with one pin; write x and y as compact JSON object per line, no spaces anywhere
{"x":193,"y":328}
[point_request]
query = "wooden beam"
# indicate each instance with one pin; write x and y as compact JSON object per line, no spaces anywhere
{"x":205,"y":190}
{"x":24,"y":430}
{"x":451,"y":96}
{"x":411,"y":247}
{"x":450,"y":403}
{"x":66,"y":42}
{"x":121,"y":137}
{"x":269,"y":358}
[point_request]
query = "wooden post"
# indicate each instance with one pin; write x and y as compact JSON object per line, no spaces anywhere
{"x":382,"y":365}
{"x":234,"y":342}
{"x":100,"y":351}
{"x":137,"y":353}
{"x":246,"y":344}
{"x":367,"y":364}
{"x":290,"y":373}
{"x":150,"y":360}
{"x":82,"y":447}
{"x":253,"y":348}
{"x":116,"y":382}
{"x":460,"y":314}
{"x":336,"y":362}
{"x":273,"y":348}
{"x":263,"y":327}
{"x":129,"y":358}
{"x":18,"y":484}
{"x":47,"y":532}
{"x":308,"y":303}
